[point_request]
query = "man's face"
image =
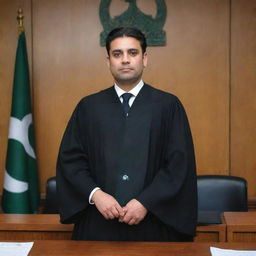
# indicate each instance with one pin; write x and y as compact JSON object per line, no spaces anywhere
{"x":126,"y":61}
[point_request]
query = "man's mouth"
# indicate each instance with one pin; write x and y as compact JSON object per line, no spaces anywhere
{"x":126,"y":69}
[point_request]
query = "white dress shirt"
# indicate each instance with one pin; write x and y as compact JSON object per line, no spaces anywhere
{"x":134,"y":91}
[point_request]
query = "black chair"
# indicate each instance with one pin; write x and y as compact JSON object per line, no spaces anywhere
{"x":51,"y":202}
{"x":218,"y":194}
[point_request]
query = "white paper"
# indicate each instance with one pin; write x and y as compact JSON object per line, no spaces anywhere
{"x":15,"y":249}
{"x":224,"y":252}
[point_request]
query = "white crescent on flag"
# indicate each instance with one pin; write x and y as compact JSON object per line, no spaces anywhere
{"x":19,"y":131}
{"x":13,"y":185}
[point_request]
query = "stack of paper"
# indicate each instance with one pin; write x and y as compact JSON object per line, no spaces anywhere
{"x":224,"y":252}
{"x":14,"y":249}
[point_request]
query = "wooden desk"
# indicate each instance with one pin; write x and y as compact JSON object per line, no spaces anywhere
{"x":33,"y":227}
{"x":211,"y":233}
{"x":241,"y":226}
{"x":93,"y":248}
{"x":48,"y":227}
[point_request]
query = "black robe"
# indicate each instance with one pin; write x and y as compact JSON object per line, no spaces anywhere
{"x":148,"y":156}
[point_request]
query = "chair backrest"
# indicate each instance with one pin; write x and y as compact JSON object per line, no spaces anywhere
{"x":51,"y":202}
{"x":221,"y":193}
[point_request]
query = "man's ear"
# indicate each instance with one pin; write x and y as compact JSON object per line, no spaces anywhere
{"x":107,"y":59}
{"x":145,"y":59}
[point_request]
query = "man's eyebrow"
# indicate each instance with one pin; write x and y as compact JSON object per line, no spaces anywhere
{"x":116,"y":50}
{"x":130,"y":49}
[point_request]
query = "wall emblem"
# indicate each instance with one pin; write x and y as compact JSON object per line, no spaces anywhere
{"x":152,"y":27}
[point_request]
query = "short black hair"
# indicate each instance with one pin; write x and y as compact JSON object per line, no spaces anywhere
{"x":126,"y":32}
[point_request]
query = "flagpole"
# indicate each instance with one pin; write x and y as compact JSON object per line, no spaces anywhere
{"x":20,"y":19}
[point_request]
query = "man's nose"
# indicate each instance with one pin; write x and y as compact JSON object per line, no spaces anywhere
{"x":126,"y":58}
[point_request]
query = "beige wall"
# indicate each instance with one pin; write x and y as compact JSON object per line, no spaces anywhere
{"x":208,"y":62}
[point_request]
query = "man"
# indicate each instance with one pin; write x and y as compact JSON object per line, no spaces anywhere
{"x":126,"y":168}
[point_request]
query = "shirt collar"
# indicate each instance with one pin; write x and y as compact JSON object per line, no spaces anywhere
{"x":134,"y":91}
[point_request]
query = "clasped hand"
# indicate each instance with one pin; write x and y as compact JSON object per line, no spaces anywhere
{"x":133,"y":213}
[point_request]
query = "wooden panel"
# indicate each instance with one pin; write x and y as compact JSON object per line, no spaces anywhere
{"x":69,"y":64}
{"x":194,"y":66}
{"x":47,"y":226}
{"x":252,"y":203}
{"x":33,"y":222}
{"x":94,"y":248}
{"x":33,"y":227}
{"x":244,"y":237}
{"x":243,"y":121}
{"x":34,"y":235}
{"x":241,"y":226}
{"x":211,"y":233}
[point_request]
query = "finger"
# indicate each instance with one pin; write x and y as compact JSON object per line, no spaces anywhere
{"x":110,"y":215}
{"x":137,"y":222}
{"x":131,"y":222}
{"x":105,"y":215}
{"x":120,"y":210}
{"x":115,"y":212}
{"x":127,"y":218}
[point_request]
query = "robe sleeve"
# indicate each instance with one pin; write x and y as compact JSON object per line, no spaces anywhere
{"x":74,"y":182}
{"x":172,"y":194}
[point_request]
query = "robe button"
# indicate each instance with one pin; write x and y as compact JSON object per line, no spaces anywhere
{"x":125,"y":178}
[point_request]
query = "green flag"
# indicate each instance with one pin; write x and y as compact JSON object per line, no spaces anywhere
{"x":21,"y":192}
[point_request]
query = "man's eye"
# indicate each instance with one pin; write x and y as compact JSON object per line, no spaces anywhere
{"x":133,"y":53}
{"x":116,"y":54}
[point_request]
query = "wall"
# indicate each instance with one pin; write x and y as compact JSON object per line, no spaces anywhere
{"x":208,"y":62}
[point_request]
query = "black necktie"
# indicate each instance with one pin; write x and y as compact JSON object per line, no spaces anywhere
{"x":126,"y":97}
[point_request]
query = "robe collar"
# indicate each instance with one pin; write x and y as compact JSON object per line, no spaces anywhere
{"x":134,"y":91}
{"x":144,"y":95}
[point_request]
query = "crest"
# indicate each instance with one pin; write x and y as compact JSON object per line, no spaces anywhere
{"x":152,"y":27}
